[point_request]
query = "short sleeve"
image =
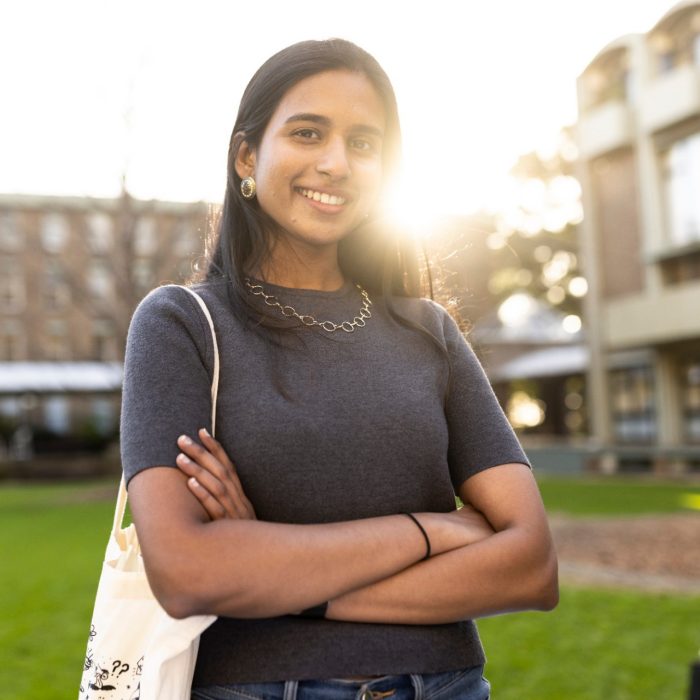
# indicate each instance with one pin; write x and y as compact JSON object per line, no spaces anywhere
{"x":167,"y":379}
{"x":480,"y":435}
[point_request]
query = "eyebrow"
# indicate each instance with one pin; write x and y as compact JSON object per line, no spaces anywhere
{"x":325,"y":121}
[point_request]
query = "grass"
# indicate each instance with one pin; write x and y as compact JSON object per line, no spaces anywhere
{"x":598,"y":644}
{"x":616,"y":496}
{"x":55,"y":538}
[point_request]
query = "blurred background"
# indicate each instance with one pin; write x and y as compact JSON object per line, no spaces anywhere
{"x":564,"y":138}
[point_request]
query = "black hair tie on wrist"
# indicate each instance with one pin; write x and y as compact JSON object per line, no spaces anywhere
{"x":425,"y":534}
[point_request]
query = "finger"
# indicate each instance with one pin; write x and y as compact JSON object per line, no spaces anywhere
{"x":229,"y":496}
{"x":211,"y":483}
{"x":220,"y":480}
{"x":202,"y":456}
{"x":214,"y":460}
{"x":213,"y":508}
{"x":214,"y":446}
{"x":246,"y":508}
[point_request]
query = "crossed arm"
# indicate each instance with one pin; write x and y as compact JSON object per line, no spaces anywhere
{"x":206,"y":553}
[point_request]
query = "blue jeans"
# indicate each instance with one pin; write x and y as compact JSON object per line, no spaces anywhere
{"x":468,"y":684}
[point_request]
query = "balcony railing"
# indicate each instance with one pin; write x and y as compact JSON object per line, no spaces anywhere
{"x":670,"y":98}
{"x":605,"y":128}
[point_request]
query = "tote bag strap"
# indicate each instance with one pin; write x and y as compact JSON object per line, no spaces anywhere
{"x":122,"y":496}
{"x":215,"y":377}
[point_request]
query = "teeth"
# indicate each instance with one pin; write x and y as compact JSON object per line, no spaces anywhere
{"x":323,"y":197}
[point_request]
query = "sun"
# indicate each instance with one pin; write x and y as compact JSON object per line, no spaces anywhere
{"x":410,"y":211}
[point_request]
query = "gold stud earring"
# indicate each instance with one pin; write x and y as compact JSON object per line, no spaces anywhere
{"x":248,"y":187}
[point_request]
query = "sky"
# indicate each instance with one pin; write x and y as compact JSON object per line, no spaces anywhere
{"x":92,"y":90}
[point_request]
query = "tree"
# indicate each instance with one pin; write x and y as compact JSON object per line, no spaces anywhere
{"x":529,"y":247}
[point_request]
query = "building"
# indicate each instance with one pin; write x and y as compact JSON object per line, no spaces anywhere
{"x":72,"y":270}
{"x":638,"y":135}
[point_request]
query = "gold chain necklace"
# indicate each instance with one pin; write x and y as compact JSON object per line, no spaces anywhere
{"x":308,"y":320}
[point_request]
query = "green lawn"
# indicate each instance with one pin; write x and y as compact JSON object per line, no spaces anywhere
{"x":603,"y":645}
{"x":615,"y":496}
{"x":597,"y":645}
{"x":55,"y":540}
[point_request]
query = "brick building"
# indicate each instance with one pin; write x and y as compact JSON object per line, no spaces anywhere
{"x":72,"y":270}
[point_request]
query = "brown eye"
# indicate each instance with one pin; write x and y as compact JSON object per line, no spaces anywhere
{"x":364,"y":145}
{"x":309,"y":134}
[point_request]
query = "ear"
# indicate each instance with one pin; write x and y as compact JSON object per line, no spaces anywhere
{"x":245,"y":158}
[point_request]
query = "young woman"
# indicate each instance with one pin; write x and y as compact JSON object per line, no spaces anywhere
{"x":321,"y":525}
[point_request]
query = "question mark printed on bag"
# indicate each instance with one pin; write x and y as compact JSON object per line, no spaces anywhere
{"x":116,"y":665}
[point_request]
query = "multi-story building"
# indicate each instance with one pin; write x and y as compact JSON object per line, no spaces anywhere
{"x":639,"y":143}
{"x":71,"y":273}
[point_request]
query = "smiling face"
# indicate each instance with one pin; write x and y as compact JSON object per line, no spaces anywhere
{"x":318,"y":168}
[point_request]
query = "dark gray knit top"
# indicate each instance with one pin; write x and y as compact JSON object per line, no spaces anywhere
{"x":331,"y":427}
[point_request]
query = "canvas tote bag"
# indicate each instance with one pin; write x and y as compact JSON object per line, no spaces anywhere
{"x":135,"y":650}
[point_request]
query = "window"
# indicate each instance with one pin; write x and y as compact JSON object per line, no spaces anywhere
{"x":145,"y":239}
{"x":99,"y":281}
{"x":10,"y":234}
{"x":682,"y":181}
{"x":633,"y":412}
{"x":57,"y":345}
{"x":184,"y":240}
{"x":57,"y":414}
{"x":185,"y":270}
{"x":12,"y":288}
{"x":690,"y":388}
{"x":10,"y":407}
{"x":142,"y":274}
{"x":667,"y":60}
{"x":100,"y":233}
{"x":575,"y":405}
{"x":56,"y":290}
{"x":104,"y":341}
{"x":681,"y":268}
{"x":105,"y":415}
{"x":696,"y":49}
{"x":12,"y":341}
{"x":54,"y":233}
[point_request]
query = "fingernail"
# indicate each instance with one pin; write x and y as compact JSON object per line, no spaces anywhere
{"x":206,"y":432}
{"x":184,"y":439}
{"x":183,"y":458}
{"x":193,"y":481}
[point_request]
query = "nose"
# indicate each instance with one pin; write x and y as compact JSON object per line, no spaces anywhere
{"x":333,"y":160}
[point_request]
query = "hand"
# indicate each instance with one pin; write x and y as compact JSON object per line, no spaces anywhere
{"x":478,"y":527}
{"x":213,"y":478}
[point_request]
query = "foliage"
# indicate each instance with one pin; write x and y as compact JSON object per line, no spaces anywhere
{"x":530,"y":246}
{"x":8,"y":425}
{"x":86,"y":437}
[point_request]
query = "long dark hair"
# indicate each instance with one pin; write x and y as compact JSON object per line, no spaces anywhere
{"x":372,"y":255}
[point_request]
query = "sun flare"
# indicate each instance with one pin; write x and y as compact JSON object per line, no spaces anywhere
{"x":411,"y":212}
